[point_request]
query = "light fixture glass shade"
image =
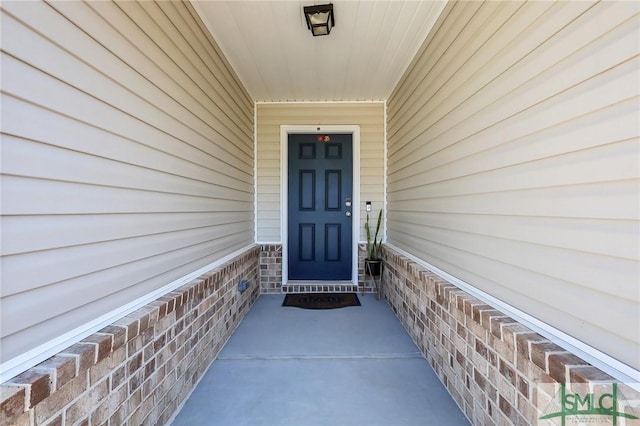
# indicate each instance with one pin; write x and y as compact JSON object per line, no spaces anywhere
{"x":320,"y":30}
{"x":320,"y":19}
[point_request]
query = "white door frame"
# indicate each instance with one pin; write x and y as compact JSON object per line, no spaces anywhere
{"x":285,"y":131}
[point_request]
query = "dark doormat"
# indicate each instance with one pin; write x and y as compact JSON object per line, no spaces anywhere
{"x":321,"y":300}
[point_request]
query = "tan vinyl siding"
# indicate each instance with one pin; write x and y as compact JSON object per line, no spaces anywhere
{"x":127,"y":160}
{"x":513,"y":161}
{"x":370,"y":118}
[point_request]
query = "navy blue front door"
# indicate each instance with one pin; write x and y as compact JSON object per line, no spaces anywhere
{"x":319,"y":214}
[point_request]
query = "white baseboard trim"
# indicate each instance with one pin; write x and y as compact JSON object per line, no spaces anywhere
{"x":613,"y":367}
{"x":22,"y":363}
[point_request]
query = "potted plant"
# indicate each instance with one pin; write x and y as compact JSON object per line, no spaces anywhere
{"x":374,"y":248}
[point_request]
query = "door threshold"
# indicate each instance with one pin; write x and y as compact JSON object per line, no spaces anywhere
{"x":319,"y":286}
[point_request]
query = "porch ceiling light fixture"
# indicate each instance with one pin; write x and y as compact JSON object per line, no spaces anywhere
{"x":320,"y":19}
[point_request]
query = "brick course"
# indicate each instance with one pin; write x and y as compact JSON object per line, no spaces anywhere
{"x":271,"y":269}
{"x":271,"y":276}
{"x":139,"y":369}
{"x":497,"y":370}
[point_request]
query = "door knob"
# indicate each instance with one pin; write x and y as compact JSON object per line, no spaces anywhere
{"x":348,"y":214}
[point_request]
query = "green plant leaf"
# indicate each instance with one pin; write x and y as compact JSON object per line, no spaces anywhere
{"x":374,"y":247}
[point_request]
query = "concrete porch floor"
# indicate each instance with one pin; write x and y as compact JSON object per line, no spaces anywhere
{"x":292,"y":366}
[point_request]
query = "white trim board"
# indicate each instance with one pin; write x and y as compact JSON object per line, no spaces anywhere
{"x":613,"y":367}
{"x":255,"y":171}
{"x":385,"y":167}
{"x":285,"y":130}
{"x":318,"y":102}
{"x":22,"y":363}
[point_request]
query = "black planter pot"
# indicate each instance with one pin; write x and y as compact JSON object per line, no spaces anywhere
{"x":372,"y":267}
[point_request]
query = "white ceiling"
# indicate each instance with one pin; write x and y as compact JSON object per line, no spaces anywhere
{"x":278,"y":60}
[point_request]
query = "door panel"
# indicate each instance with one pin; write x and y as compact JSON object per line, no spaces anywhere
{"x":307,"y":190}
{"x":319,"y":229}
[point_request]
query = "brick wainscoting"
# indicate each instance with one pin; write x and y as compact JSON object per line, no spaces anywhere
{"x":497,"y":370}
{"x":271,"y":269}
{"x":271,"y":276}
{"x":138,"y":370}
